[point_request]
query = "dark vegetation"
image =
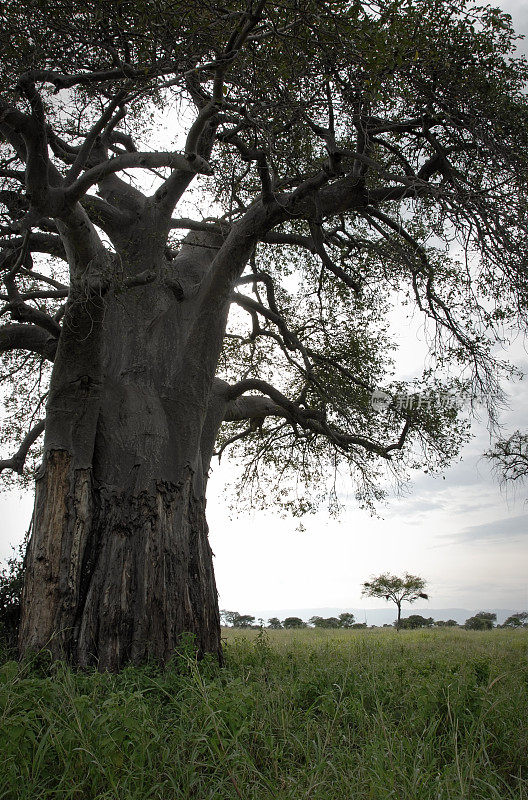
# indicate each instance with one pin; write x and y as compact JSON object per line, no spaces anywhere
{"x":11,"y":581}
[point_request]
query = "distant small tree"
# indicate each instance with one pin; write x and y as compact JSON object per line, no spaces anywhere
{"x":236,"y":620}
{"x":360,"y":625}
{"x":450,"y":623}
{"x":517,"y":620}
{"x":482,"y":621}
{"x":293,"y":622}
{"x":243,"y":621}
{"x":399,"y":590}
{"x":326,"y":622}
{"x":416,"y":621}
{"x":227,"y":617}
{"x":346,"y":620}
{"x":275,"y":623}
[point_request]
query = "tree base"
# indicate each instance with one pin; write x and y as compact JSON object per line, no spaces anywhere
{"x":116,"y":577}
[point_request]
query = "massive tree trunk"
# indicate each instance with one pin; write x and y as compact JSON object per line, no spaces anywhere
{"x":119,"y":563}
{"x":116,"y":575}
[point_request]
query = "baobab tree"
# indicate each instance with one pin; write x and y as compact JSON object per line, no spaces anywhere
{"x":223,"y":284}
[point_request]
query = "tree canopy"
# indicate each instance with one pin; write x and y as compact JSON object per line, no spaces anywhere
{"x":510,"y":458}
{"x":208,"y":215}
{"x":416,"y":621}
{"x":518,"y":619}
{"x":408,"y":588}
{"x":481,"y":621}
{"x":346,"y":158}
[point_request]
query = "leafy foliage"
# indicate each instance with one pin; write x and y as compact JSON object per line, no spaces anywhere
{"x":482,"y":621}
{"x":517,"y":620}
{"x":237,"y":620}
{"x":382,"y":146}
{"x":416,"y":621}
{"x":345,"y":620}
{"x":510,"y":458}
{"x":293,"y":622}
{"x":408,"y":588}
{"x":11,"y":582}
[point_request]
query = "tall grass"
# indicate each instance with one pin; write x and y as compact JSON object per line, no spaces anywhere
{"x":428,"y":715}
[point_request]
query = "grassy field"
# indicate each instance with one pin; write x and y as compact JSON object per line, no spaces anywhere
{"x":349,"y":715}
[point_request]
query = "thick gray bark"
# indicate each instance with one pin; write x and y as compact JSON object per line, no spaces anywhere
{"x":119,"y":563}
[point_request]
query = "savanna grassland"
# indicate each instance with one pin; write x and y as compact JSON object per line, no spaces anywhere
{"x":427,"y":715}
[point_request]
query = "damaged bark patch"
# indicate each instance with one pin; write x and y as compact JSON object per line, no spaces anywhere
{"x":61,"y":526}
{"x":118,"y":576}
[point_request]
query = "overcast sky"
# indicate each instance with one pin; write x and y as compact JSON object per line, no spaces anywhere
{"x":463,"y":534}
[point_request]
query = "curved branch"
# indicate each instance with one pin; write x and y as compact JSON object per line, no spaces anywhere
{"x":17,"y":461}
{"x":308,"y":419}
{"x":123,"y":71}
{"x":38,"y":243}
{"x":146,"y":160}
{"x":335,"y":269}
{"x":27,"y":337}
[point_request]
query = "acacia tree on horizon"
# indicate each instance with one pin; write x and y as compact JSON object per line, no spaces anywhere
{"x":407,"y":589}
{"x":332,"y":160}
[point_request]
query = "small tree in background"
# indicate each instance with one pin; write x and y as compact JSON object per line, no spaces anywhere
{"x":451,"y":623}
{"x":391,"y":587}
{"x":243,"y":621}
{"x":416,"y":621}
{"x":227,"y":617}
{"x":236,"y":620}
{"x":275,"y":623}
{"x":517,"y":620}
{"x":345,"y":620}
{"x":324,"y":622}
{"x":482,"y":621}
{"x":293,"y":622}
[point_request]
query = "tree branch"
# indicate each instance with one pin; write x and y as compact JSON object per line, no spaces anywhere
{"x":308,"y":419}
{"x":27,"y":337}
{"x":85,"y":149}
{"x":17,"y":461}
{"x":133,"y":161}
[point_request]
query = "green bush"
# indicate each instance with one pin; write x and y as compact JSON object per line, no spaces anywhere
{"x":11,"y":581}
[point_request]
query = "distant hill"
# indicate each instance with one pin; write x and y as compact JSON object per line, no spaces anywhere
{"x":380,"y":616}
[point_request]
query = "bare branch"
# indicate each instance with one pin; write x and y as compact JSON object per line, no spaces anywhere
{"x":335,"y":269}
{"x":84,"y":151}
{"x":27,"y":337}
{"x":17,"y":461}
{"x":133,"y":161}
